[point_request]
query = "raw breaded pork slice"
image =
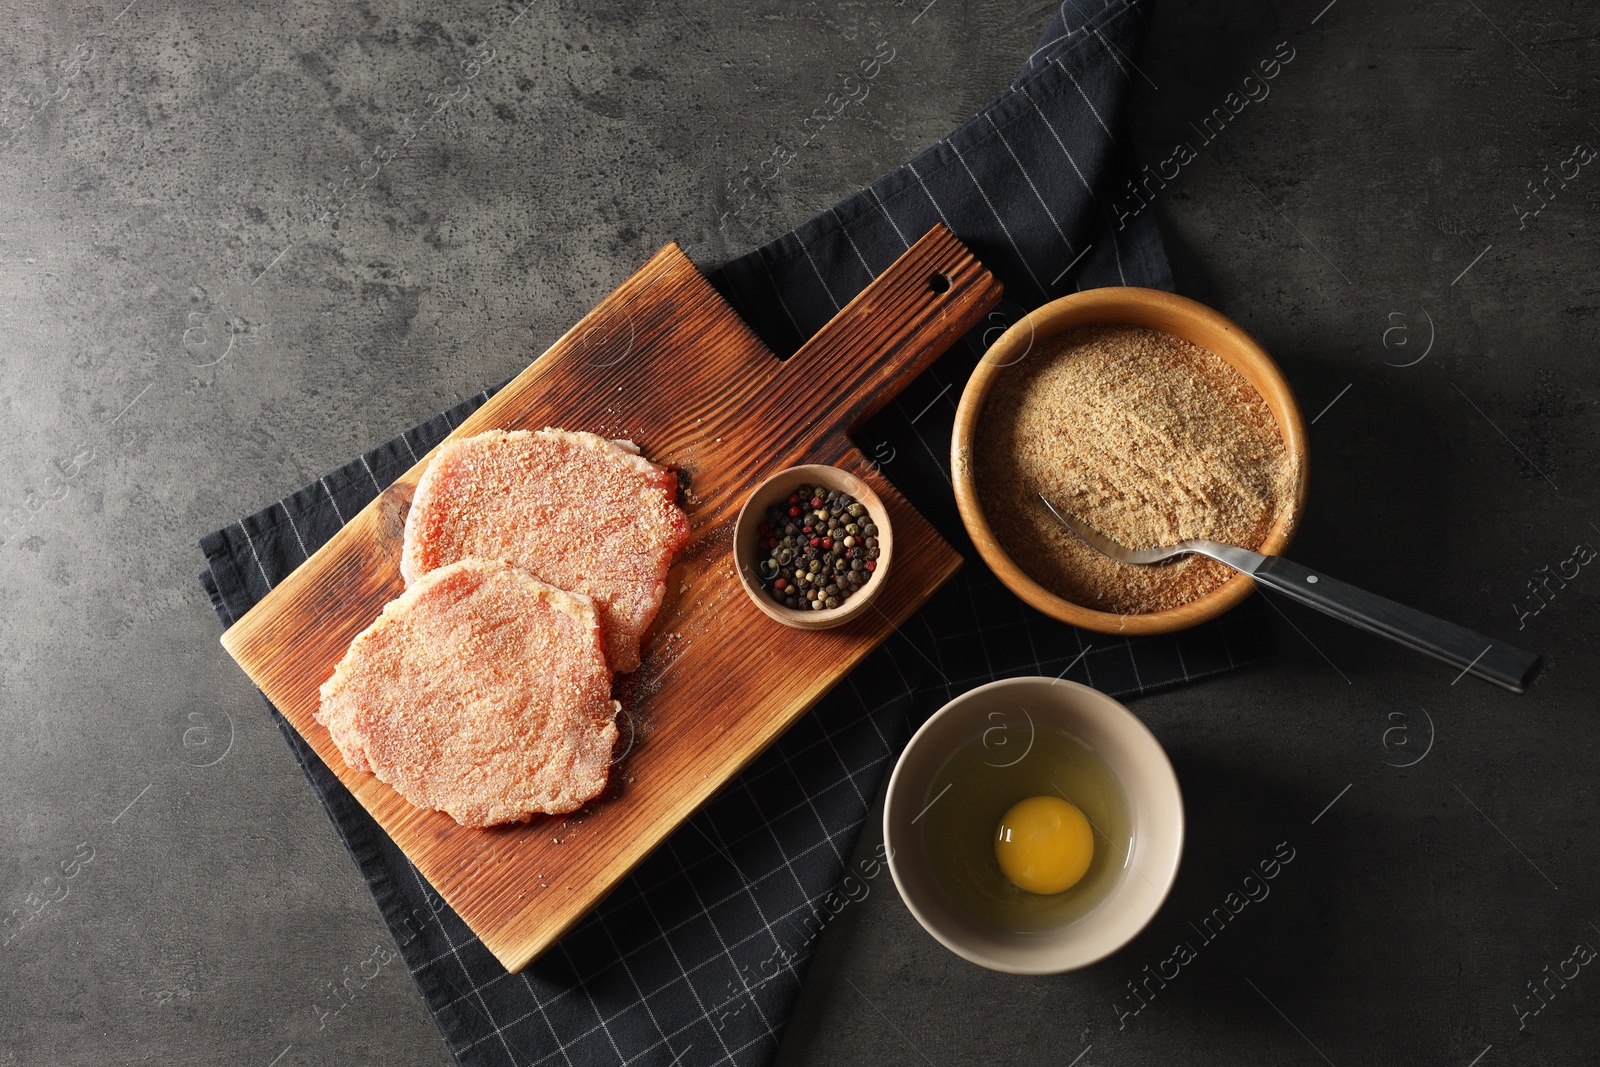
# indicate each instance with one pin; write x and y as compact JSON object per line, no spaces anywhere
{"x":480,"y":692}
{"x":578,"y":511}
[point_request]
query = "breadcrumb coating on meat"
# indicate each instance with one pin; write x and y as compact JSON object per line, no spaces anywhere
{"x":480,"y":692}
{"x":576,"y":510}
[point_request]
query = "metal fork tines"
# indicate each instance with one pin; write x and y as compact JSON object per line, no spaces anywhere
{"x":1239,"y":558}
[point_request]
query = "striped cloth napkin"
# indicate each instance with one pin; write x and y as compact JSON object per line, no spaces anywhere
{"x":698,"y":957}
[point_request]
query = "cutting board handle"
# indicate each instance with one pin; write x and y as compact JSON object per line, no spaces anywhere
{"x":892,"y":331}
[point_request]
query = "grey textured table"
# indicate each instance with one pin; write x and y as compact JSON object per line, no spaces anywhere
{"x":1405,"y":221}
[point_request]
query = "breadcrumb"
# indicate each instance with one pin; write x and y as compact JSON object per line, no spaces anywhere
{"x":1147,"y":437}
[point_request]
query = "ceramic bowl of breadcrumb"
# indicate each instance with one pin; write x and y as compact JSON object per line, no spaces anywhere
{"x":1151,"y":417}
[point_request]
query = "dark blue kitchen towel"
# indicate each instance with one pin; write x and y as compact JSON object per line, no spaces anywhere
{"x":697,"y":958}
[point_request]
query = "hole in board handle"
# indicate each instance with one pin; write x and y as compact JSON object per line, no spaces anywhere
{"x":939,"y":283}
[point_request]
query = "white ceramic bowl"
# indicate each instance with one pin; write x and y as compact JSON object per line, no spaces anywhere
{"x":1155,"y":810}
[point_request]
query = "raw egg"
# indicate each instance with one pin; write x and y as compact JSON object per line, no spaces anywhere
{"x":979,"y":787}
{"x":1044,"y":844}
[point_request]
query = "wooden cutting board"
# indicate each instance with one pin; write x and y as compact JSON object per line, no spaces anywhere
{"x":666,"y":362}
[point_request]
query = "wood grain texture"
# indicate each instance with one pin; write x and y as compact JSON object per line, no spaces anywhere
{"x":665,"y":361}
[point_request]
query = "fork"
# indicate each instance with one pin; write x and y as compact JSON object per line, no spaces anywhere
{"x":1475,"y":654}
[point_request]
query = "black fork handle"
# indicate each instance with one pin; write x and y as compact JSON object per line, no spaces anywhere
{"x":1473,"y":653}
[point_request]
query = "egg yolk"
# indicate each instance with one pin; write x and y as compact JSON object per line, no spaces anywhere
{"x":1044,"y":844}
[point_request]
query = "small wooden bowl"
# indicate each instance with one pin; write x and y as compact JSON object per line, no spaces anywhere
{"x":1156,"y":310}
{"x":746,"y":554}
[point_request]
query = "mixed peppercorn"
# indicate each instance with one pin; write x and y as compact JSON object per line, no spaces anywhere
{"x":816,"y":548}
